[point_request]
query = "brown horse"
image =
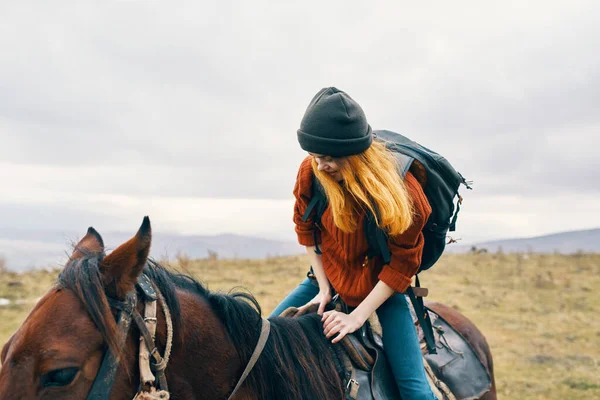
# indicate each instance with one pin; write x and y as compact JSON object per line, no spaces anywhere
{"x":58,"y":350}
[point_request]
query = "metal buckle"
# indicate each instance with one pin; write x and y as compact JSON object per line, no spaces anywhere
{"x":352,"y":381}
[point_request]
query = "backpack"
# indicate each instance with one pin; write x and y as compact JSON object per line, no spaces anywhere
{"x":440,"y":183}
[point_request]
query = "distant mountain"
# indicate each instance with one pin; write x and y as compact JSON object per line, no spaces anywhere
{"x":563,"y":242}
{"x":29,"y":249}
{"x":24,"y":250}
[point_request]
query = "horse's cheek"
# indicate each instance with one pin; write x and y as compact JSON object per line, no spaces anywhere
{"x":91,"y":367}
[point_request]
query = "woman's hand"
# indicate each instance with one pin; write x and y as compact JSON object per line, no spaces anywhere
{"x":338,"y":322}
{"x":341,"y":323}
{"x":322,"y":299}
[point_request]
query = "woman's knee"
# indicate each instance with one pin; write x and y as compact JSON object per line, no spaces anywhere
{"x":301,"y":295}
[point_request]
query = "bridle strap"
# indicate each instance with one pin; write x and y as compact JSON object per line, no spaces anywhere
{"x":260,"y":345}
{"x":105,"y":378}
{"x":147,"y":378}
{"x":152,"y":351}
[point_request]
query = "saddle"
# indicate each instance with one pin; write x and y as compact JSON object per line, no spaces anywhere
{"x":454,"y":373}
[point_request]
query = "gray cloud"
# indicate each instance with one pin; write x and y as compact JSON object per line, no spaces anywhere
{"x":188,"y":99}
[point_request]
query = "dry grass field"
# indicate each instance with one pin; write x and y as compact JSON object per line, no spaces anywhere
{"x":538,"y":312}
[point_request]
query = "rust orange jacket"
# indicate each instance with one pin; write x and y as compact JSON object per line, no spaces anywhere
{"x":344,"y":253}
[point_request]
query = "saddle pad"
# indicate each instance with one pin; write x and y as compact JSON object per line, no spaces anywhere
{"x":456,"y":364}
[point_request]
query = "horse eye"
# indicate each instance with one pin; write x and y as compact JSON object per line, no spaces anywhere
{"x":59,"y":377}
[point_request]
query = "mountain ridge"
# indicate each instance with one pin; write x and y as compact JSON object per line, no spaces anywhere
{"x":28,"y":249}
{"x":567,"y":242}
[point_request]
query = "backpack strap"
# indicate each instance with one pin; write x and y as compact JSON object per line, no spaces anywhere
{"x":467,"y":184}
{"x":422,"y":316}
{"x":376,"y":239}
{"x":452,"y":226}
{"x":318,"y":203}
{"x":309,"y":208}
{"x":404,"y":163}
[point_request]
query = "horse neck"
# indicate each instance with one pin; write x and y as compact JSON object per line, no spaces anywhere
{"x":295,"y":364}
{"x":202,"y":358}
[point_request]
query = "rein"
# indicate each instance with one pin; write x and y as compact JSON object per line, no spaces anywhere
{"x":105,"y":378}
{"x":260,"y":345}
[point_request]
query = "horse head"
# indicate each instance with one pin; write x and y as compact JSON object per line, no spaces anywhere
{"x":59,"y":348}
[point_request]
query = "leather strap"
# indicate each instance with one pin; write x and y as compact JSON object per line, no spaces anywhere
{"x":105,"y":378}
{"x":352,"y":386}
{"x":348,"y":375}
{"x":145,"y":285}
{"x":318,"y":201}
{"x":148,"y":338}
{"x":260,"y":345}
{"x":422,"y":317}
{"x":152,"y":365}
{"x":146,"y":375}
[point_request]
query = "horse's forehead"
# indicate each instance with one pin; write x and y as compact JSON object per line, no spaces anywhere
{"x":58,"y":306}
{"x":57,"y":319}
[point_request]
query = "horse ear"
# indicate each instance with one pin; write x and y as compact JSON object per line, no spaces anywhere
{"x":5,"y":349}
{"x":91,"y":243}
{"x":121,"y":268}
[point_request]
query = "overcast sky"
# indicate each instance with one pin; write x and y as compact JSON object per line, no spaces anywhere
{"x":187,"y":111}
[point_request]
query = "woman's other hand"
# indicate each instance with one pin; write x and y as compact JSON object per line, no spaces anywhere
{"x":341,"y":323}
{"x":322,"y":299}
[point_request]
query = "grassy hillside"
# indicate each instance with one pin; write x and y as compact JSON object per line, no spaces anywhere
{"x":538,"y":312}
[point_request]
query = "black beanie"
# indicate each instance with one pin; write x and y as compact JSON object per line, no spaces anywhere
{"x":334,"y":125}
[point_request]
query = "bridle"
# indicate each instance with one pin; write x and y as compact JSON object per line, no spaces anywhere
{"x":127,"y":312}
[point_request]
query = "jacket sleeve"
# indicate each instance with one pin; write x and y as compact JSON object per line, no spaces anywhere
{"x":407,"y":248}
{"x":303,"y":193}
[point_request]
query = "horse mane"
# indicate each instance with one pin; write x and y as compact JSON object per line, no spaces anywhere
{"x":296,"y":362}
{"x":82,"y":276}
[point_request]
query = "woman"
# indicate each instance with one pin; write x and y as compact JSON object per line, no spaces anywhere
{"x":358,"y":175}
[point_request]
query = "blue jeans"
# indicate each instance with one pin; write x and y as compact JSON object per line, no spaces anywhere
{"x":399,"y":339}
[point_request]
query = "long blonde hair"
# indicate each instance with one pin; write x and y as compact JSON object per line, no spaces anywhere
{"x":370,"y":182}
